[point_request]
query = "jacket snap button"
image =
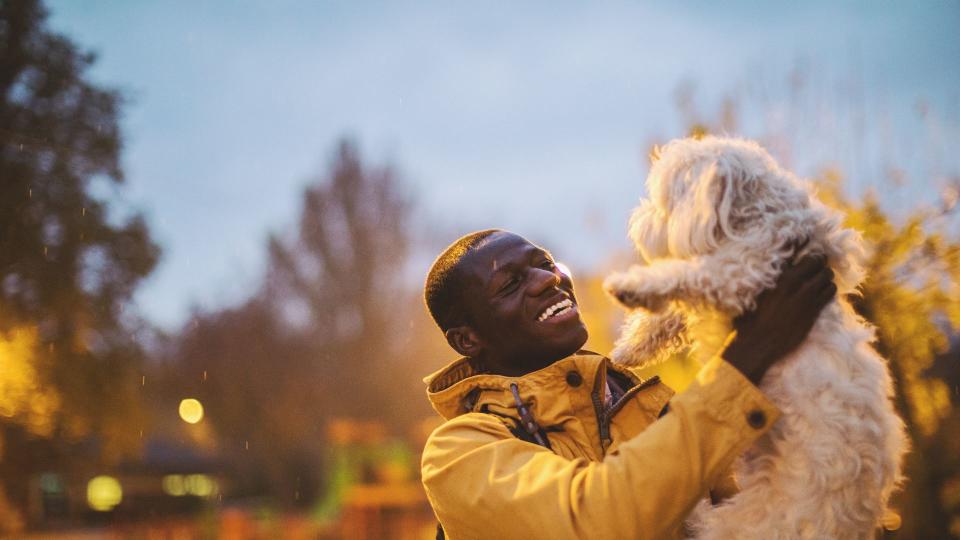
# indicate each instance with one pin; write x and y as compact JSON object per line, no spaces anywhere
{"x":574,"y":379}
{"x":757,"y":419}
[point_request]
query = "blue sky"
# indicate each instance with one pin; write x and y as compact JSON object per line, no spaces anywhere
{"x":534,"y":117}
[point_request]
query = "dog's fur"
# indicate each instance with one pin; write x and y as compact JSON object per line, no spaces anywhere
{"x":721,"y":221}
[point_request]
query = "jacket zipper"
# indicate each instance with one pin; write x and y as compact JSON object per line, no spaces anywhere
{"x":629,"y":394}
{"x":604,"y":418}
{"x":598,"y":408}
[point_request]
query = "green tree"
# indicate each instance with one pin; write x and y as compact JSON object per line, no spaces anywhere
{"x":67,"y":267}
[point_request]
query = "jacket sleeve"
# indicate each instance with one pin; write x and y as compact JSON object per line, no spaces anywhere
{"x":484,"y":483}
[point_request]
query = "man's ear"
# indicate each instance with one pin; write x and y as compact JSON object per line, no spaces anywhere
{"x":465,"y":341}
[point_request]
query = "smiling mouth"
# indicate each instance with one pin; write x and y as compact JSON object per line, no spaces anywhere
{"x":562,"y":307}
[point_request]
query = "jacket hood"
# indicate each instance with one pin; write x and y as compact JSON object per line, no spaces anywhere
{"x":464,"y":386}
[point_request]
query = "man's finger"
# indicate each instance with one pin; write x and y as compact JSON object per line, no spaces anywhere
{"x":805,"y":268}
{"x":827,"y":294}
{"x":796,"y":247}
{"x":823,"y":277}
{"x":813,"y":263}
{"x":815,"y":284}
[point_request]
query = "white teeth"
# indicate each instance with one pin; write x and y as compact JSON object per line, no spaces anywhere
{"x":557,"y":308}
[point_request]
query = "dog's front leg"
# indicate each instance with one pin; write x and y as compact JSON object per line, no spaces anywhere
{"x":648,"y":338}
{"x":651,"y":287}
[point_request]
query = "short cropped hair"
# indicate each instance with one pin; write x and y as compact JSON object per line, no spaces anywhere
{"x":445,"y":282}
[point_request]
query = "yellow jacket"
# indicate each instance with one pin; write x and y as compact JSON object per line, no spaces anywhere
{"x":611,"y":472}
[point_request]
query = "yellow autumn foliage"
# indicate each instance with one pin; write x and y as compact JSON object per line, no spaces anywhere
{"x":911,"y":294}
{"x":24,"y":398}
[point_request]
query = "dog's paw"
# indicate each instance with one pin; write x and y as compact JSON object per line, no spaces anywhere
{"x":634,"y":300}
{"x":628,"y":298}
{"x":627,"y":290}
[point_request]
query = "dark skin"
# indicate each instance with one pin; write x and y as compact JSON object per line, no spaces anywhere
{"x":510,"y":282}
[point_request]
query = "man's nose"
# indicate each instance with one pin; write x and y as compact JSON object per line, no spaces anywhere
{"x":541,"y":281}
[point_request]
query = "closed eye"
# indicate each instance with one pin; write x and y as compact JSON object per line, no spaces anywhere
{"x":510,"y":285}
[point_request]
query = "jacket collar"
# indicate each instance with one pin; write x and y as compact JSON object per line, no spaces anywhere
{"x":463,"y":386}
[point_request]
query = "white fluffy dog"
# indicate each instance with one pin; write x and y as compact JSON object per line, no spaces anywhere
{"x":721,"y":221}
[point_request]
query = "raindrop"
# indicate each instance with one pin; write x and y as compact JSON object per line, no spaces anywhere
{"x":246,"y":445}
{"x":83,"y":211}
{"x":143,"y":380}
{"x":204,"y":374}
{"x":21,"y":147}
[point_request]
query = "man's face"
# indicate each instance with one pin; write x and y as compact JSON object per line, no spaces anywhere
{"x":519,"y":303}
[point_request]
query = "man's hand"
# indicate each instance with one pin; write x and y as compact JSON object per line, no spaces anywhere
{"x":783,"y":317}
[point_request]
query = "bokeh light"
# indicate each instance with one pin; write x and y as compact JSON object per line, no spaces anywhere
{"x":104,"y":493}
{"x":200,"y":485}
{"x":173,"y":485}
{"x":191,"y":411}
{"x":178,"y":485}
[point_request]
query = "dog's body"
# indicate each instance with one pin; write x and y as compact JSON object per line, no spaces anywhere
{"x":721,"y":222}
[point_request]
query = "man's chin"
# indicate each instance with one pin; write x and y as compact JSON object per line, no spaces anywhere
{"x":572,"y":341}
{"x":577,"y":335}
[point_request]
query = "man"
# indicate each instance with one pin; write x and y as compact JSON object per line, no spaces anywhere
{"x":544,"y":440}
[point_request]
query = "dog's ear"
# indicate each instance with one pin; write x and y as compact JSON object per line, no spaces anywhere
{"x":723,"y":194}
{"x":845,"y":249}
{"x":702,"y":220}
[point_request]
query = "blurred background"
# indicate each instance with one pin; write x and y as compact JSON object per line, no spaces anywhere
{"x":216,"y":217}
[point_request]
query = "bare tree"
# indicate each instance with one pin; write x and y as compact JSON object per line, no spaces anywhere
{"x":338,"y":279}
{"x":315,"y":343}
